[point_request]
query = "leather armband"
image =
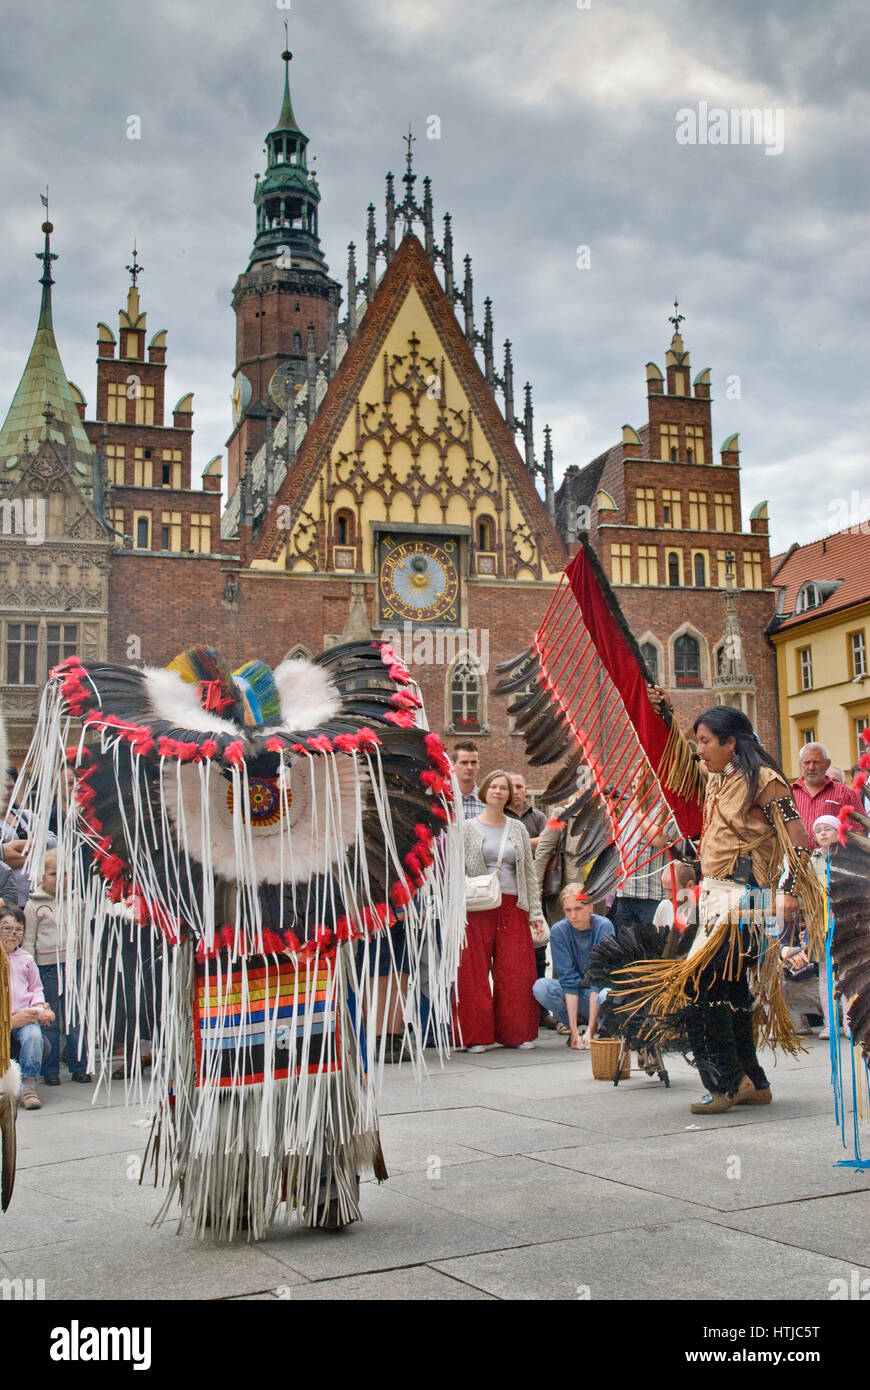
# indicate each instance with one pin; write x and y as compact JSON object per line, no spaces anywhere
{"x":787,"y":808}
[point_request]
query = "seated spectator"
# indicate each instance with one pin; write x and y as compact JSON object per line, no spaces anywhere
{"x":29,"y":1008}
{"x":45,"y":940}
{"x":571,"y":943}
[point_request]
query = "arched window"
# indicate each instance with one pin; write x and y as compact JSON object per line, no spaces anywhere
{"x":673,"y":455}
{"x":700,"y":569}
{"x":485,"y":534}
{"x":297,"y":342}
{"x":651,"y":657}
{"x":465,"y":714}
{"x":673,"y":569}
{"x":143,"y":533}
{"x":344,"y":531}
{"x":687,"y":660}
{"x":689,"y":456}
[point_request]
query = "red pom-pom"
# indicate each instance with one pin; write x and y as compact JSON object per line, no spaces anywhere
{"x":345,"y":743}
{"x":403,"y":718}
{"x":555,"y":824}
{"x":272,"y":943}
{"x":403,"y":699}
{"x":324,"y":937}
{"x":401,"y":894}
{"x":367,"y":739}
{"x":292,"y":943}
{"x":320,"y":744}
{"x":234,"y":753}
{"x":275,"y":745}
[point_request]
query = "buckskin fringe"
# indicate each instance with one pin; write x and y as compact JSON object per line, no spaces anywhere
{"x":679,"y":770}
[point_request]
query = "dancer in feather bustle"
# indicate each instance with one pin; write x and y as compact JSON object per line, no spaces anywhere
{"x":259,"y":827}
{"x":584,"y":683}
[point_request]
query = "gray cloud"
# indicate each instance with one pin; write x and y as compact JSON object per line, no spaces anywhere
{"x":558,"y":129}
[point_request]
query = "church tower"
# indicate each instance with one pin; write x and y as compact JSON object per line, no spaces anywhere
{"x":285,"y":303}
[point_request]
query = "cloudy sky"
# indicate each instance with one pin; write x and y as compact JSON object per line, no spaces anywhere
{"x":558,"y":130}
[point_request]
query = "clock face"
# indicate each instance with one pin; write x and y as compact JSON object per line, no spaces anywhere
{"x":419,"y":580}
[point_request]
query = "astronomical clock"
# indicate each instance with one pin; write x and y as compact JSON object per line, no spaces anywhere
{"x":418,"y":579}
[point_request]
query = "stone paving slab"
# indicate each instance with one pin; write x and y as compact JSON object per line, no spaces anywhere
{"x":400,"y":1285}
{"x":836,"y":1226}
{"x":765,"y":1161}
{"x":674,"y":1261}
{"x":397,"y":1231}
{"x":533,"y":1201}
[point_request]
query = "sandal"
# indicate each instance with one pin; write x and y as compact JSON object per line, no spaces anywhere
{"x":563,"y":1031}
{"x":30,"y":1100}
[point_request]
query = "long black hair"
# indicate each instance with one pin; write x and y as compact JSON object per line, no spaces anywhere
{"x":749,"y":755}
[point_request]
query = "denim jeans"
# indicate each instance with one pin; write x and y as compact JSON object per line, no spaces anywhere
{"x":29,"y":1040}
{"x":550,"y":995}
{"x":52,"y":987}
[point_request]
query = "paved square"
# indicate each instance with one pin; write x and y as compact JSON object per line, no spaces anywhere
{"x":514,"y":1175}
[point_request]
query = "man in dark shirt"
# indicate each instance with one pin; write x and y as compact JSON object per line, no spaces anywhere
{"x":571,"y":943}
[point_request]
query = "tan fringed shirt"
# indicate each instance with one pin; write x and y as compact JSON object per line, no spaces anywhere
{"x":730,"y":831}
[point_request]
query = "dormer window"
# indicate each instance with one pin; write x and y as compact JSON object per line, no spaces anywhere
{"x":808,"y":597}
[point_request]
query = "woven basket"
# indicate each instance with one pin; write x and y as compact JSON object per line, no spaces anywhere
{"x":605,"y":1055}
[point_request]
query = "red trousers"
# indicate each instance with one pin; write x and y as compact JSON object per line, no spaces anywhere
{"x":498,"y":941}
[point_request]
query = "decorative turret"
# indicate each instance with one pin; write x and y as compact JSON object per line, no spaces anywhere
{"x":733,"y":684}
{"x":287,"y":196}
{"x":44,"y":406}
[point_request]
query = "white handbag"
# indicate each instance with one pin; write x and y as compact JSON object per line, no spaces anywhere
{"x":483,"y":891}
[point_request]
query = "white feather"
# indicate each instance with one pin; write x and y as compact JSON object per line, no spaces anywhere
{"x":10,"y":1081}
{"x":308,"y":696}
{"x":177,"y":701}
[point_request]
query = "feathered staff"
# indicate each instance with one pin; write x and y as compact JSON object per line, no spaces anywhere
{"x":582,"y":688}
{"x":233,"y":833}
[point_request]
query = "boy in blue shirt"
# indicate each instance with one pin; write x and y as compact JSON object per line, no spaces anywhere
{"x":572,"y":940}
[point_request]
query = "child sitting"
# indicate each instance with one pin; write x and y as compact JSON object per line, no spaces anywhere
{"x":29,"y":1008}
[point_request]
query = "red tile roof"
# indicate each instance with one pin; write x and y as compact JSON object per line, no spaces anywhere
{"x":844,"y":556}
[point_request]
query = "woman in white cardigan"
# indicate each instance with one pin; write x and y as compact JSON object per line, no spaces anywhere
{"x":499,"y":941}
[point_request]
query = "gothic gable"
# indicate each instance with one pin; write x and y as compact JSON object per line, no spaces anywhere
{"x":409,"y":432}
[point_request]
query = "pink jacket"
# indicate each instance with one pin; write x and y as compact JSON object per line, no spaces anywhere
{"x":26,"y":986}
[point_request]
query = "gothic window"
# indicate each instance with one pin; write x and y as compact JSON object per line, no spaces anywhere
{"x":675,"y":576}
{"x":297,"y":342}
{"x":344,"y":530}
{"x":698,"y":511}
{"x":298,"y":653}
{"x":751,"y":569}
{"x":651,"y":657}
{"x":646,"y":506}
{"x":142,"y":531}
{"x":694,"y":444}
{"x":200,"y":533}
{"x":670,"y":442}
{"x":699,"y":567}
{"x":620,"y":564}
{"x":61,"y":640}
{"x":672,"y":509}
{"x":647,"y":564}
{"x":466,"y":696}
{"x":22,"y":646}
{"x":723,"y":507}
{"x":485,"y":534}
{"x":687,"y":660}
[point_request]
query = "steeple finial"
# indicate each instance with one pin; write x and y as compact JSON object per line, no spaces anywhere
{"x":676,"y":318}
{"x":135,"y":269}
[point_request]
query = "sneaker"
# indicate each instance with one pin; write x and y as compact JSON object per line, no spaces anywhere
{"x":526,"y":1046}
{"x":825,"y":1034}
{"x":478,"y":1047}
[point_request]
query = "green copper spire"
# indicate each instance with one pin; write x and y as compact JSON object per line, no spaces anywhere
{"x":287,"y":196}
{"x":43,"y":406}
{"x":286,"y":120}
